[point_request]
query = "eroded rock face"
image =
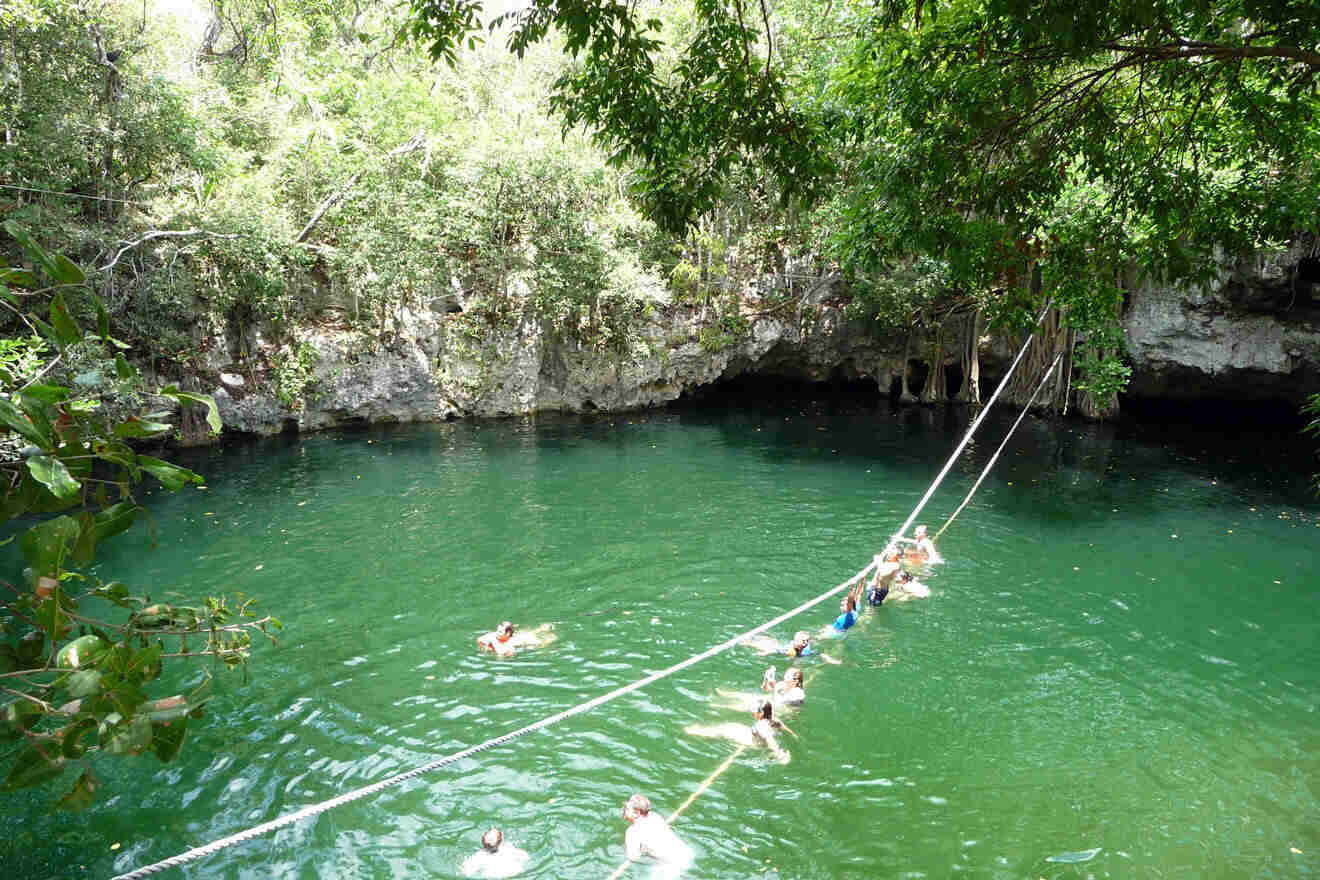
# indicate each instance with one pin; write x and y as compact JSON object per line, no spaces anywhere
{"x":436,"y":365}
{"x":1253,"y":335}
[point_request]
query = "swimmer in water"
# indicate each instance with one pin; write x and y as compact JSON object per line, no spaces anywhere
{"x":787,"y":694}
{"x":505,"y":641}
{"x":848,"y":610}
{"x":495,"y":859}
{"x":886,"y":570}
{"x":760,"y":732}
{"x":924,"y":547}
{"x":908,"y":587}
{"x":650,"y":835}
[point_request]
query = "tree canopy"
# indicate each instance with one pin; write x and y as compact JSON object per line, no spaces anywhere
{"x":1082,"y":147}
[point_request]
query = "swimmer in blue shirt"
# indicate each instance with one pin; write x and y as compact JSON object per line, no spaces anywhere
{"x":848,"y":609}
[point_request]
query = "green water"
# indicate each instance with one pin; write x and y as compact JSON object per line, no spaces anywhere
{"x":1121,"y":652}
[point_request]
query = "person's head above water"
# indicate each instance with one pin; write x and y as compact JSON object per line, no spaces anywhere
{"x":765,"y":711}
{"x":504,"y":631}
{"x":491,"y":840}
{"x":793,"y":677}
{"x":800,"y":640}
{"x":919,"y":533}
{"x":636,"y":807}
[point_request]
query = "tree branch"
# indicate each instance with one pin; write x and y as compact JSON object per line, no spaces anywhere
{"x":414,"y":143}
{"x":162,"y":233}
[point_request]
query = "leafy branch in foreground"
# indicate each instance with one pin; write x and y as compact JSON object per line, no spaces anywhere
{"x":75,"y":681}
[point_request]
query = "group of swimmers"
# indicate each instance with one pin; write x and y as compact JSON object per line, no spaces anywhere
{"x":649,"y":834}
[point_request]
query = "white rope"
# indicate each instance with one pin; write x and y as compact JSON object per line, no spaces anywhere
{"x":994,"y":458}
{"x":357,"y":794}
{"x":366,"y":791}
{"x":976,"y":423}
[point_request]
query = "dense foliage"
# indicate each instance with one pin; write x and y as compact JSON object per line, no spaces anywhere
{"x":1038,"y":151}
{"x":81,"y":658}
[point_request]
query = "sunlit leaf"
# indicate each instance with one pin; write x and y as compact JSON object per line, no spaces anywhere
{"x":47,"y":544}
{"x":171,"y":476}
{"x":127,"y":737}
{"x":212,"y":411}
{"x":52,"y":473}
{"x":134,"y":427}
{"x":83,"y":683}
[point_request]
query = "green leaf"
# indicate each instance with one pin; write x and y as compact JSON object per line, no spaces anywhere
{"x":115,"y":592}
{"x":116,"y":453}
{"x":66,"y":328}
{"x":135,"y":427}
{"x":33,"y":766}
{"x":98,"y":527}
{"x":124,"y":369}
{"x":34,"y":250}
{"x":102,"y":318}
{"x":8,"y":296}
{"x":146,"y":663}
{"x":127,"y":737}
{"x":199,"y":695}
{"x":67,"y":271}
{"x":19,"y":278}
{"x":83,"y":683}
{"x":172,"y":476}
{"x":31,"y":649}
{"x":52,"y":473}
{"x":17,"y":717}
{"x":19,"y":423}
{"x":167,"y":738}
{"x":46,"y":331}
{"x":46,"y":393}
{"x":46,"y":545}
{"x":51,"y":617}
{"x":212,"y":411}
{"x":82,"y":795}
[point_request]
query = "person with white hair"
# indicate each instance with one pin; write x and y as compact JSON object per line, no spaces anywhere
{"x":650,"y":835}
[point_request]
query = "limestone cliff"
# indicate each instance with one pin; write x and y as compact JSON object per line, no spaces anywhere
{"x":1251,"y":336}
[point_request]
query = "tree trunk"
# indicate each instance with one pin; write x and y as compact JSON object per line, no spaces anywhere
{"x":936,"y":388}
{"x":971,"y":362}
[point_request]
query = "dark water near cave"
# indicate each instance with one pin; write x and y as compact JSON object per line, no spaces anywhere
{"x":1122,"y":652}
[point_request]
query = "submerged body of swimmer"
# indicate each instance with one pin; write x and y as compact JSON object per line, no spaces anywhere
{"x":760,"y":732}
{"x":923,"y":548}
{"x":907,"y":587}
{"x":649,"y":834}
{"x":495,"y":859}
{"x":788,"y":693}
{"x":505,"y":641}
{"x":799,"y":647}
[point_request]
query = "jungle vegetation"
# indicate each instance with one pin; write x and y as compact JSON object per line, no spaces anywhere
{"x":177,"y":173}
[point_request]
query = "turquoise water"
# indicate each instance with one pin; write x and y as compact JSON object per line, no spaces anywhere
{"x":1120,"y":654}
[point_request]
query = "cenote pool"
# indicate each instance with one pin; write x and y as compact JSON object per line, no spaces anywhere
{"x":1121,"y":654}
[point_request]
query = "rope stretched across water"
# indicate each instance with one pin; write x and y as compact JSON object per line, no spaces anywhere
{"x":307,"y":812}
{"x":368,"y":790}
{"x":994,"y":458}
